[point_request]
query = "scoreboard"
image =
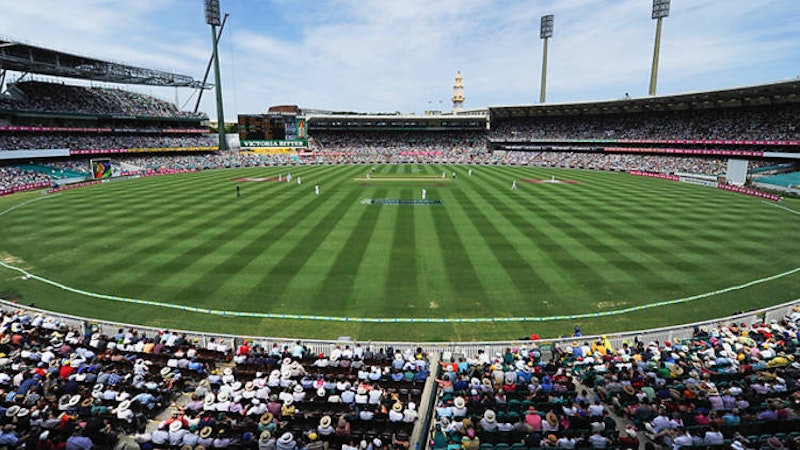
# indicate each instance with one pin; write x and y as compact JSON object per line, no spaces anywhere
{"x":272,"y":130}
{"x":254,"y":127}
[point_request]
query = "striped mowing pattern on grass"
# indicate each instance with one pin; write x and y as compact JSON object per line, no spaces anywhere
{"x":611,"y":242}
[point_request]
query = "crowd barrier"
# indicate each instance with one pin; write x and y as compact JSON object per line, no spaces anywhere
{"x":684,"y":151}
{"x":748,"y":191}
{"x":104,"y":130}
{"x":97,"y":151}
{"x":24,"y":187}
{"x":663,"y":176}
{"x":706,"y":142}
{"x":67,"y":187}
{"x":650,"y":141}
{"x":447,"y":349}
{"x":723,"y":186}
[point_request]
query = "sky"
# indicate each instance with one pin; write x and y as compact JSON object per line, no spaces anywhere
{"x":379,"y":56}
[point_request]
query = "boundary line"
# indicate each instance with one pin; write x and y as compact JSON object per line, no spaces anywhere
{"x":219,"y":312}
{"x":782,"y":207}
{"x":6,"y":211}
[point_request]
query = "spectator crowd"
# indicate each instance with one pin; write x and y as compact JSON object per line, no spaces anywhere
{"x":770,"y":123}
{"x":735,"y":385}
{"x":63,"y":98}
{"x":31,"y":141}
{"x":11,"y":176}
{"x":66,"y":386}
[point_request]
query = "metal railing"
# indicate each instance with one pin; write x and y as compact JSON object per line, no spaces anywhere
{"x":466,"y":349}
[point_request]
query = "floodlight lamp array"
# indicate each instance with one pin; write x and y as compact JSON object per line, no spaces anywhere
{"x":546,"y":29}
{"x":660,"y":9}
{"x":212,"y":12}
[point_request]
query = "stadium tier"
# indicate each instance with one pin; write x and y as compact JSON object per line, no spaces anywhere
{"x":62,"y":99}
{"x":72,"y":380}
{"x":731,"y":382}
{"x":763,"y":123}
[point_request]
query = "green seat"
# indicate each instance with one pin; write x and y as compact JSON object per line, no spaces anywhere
{"x":487,"y":446}
{"x":501,"y":446}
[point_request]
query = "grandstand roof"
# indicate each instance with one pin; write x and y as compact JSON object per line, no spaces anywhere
{"x":21,"y":57}
{"x":760,"y":95}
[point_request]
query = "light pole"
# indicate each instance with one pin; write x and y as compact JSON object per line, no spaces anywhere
{"x":545,"y":33}
{"x":660,"y":10}
{"x":212,"y":18}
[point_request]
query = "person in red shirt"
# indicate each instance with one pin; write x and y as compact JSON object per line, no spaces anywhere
{"x":40,"y":369}
{"x":451,"y":364}
{"x":66,"y":370}
{"x":244,"y":349}
{"x":628,"y":438}
{"x":533,"y":419}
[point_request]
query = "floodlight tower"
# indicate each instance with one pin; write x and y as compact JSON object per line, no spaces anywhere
{"x":660,"y":10}
{"x":545,"y":33}
{"x":212,"y":18}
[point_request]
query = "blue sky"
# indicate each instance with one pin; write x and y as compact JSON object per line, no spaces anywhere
{"x":385,"y":56}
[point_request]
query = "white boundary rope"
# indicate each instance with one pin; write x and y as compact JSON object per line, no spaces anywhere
{"x":6,"y":211}
{"x":219,"y":312}
{"x":782,"y":207}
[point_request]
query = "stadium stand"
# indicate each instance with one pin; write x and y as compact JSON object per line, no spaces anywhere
{"x":791,"y":179}
{"x":708,"y":384}
{"x":63,"y":98}
{"x":729,"y":383}
{"x":740,"y":124}
{"x":44,"y":127}
{"x":57,"y":373}
{"x":99,"y":143}
{"x":12,"y":178}
{"x":547,"y":141}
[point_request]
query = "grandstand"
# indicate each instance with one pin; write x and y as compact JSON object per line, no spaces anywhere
{"x":57,"y":124}
{"x":787,"y":180}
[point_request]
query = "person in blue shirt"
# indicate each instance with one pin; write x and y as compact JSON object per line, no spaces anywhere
{"x":78,"y":441}
{"x":145,"y":398}
{"x":28,"y":383}
{"x":8,"y":437}
{"x":195,"y":366}
{"x":731,"y":418}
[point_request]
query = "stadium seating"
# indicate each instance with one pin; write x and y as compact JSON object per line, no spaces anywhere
{"x":784,"y":180}
{"x":743,"y":123}
{"x":64,"y":98}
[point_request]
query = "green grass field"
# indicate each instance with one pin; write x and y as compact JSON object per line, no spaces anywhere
{"x":609,"y":242}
